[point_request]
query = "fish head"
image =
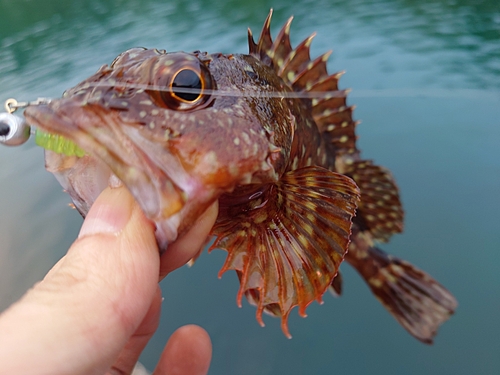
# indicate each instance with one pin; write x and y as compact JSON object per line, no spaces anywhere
{"x":154,"y":121}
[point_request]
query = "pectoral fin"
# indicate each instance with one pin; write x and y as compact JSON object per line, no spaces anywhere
{"x":287,"y":245}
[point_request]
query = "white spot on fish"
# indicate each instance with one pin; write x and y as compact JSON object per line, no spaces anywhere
{"x":246,"y":138}
{"x":211,"y":159}
{"x":248,"y":68}
{"x":233,"y":169}
{"x":255,"y":148}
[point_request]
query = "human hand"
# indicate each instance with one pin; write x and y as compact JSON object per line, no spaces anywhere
{"x":97,"y":308}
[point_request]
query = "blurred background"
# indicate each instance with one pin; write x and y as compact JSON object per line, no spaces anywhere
{"x":425,"y":77}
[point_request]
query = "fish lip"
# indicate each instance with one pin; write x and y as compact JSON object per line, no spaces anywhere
{"x":160,"y":194}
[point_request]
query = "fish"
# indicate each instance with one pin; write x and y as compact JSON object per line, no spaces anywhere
{"x":267,"y":134}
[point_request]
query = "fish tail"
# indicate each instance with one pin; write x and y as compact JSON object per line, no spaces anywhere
{"x":417,"y":301}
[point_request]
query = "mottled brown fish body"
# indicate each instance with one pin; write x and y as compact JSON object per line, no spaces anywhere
{"x":269,"y":135}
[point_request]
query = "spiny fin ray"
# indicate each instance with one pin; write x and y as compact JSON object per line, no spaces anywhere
{"x":287,"y":251}
{"x":281,"y":47}
{"x":295,"y":67}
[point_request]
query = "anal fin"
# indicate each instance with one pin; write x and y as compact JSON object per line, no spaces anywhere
{"x":286,"y":242}
{"x":335,"y":287}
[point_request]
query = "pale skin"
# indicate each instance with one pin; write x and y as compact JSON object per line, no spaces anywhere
{"x":97,"y":308}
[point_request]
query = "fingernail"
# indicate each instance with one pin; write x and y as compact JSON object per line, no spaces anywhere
{"x":110,"y":212}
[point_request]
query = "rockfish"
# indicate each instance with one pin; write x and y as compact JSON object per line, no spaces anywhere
{"x":270,"y":136}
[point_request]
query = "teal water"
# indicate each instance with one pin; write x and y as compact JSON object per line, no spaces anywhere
{"x":425,"y":77}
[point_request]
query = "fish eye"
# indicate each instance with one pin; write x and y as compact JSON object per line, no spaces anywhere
{"x":190,"y":80}
{"x":184,"y":83}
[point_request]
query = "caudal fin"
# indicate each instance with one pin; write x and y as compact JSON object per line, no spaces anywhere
{"x":417,"y":301}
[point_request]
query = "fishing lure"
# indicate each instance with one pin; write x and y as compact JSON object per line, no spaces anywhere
{"x":270,"y":136}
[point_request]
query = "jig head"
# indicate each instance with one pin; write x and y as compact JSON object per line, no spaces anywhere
{"x":14,"y":130}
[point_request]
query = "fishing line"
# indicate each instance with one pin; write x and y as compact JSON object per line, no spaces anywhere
{"x":14,"y":130}
{"x":358,"y":93}
{"x":11,"y":105}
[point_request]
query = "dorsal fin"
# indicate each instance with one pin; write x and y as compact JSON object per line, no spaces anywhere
{"x":295,"y":66}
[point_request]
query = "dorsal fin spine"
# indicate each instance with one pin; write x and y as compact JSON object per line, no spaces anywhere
{"x":252,"y":47}
{"x":317,"y":66}
{"x":265,"y":42}
{"x":295,"y":67}
{"x":297,"y":58}
{"x":281,"y":47}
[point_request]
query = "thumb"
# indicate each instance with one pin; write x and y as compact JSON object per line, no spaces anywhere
{"x":80,"y":316}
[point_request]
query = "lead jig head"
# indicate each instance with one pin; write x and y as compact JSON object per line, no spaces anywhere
{"x":14,"y":130}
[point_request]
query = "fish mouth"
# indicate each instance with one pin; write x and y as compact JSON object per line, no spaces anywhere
{"x":167,"y":194}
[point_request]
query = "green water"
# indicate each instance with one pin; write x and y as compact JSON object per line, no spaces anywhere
{"x":425,"y":77}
